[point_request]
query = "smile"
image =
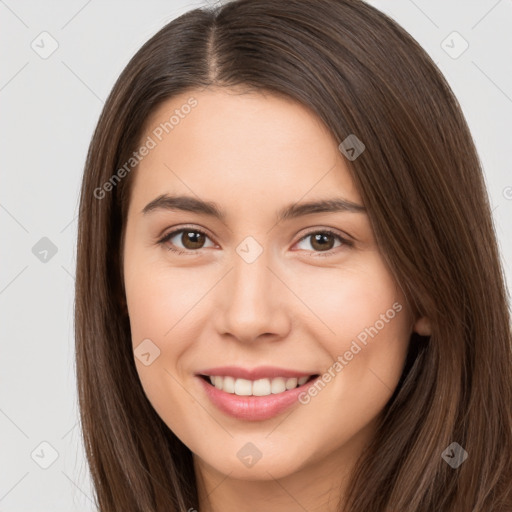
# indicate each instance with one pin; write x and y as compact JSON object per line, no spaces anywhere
{"x":259,"y":387}
{"x":254,"y":395}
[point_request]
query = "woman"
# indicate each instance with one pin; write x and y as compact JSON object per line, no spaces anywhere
{"x":289,"y":294}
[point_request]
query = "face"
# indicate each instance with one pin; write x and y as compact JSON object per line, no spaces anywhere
{"x":221,"y":284}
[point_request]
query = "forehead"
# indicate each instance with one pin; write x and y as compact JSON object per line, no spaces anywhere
{"x":254,"y":147}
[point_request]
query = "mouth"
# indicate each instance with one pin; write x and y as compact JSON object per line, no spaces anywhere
{"x":258,"y":387}
{"x":254,"y":399}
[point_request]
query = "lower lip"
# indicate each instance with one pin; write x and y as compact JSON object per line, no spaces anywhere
{"x":254,"y":408}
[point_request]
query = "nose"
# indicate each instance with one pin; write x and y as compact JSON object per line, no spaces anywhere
{"x":254,"y":302}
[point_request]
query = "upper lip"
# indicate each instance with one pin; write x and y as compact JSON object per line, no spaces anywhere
{"x":260,"y":372}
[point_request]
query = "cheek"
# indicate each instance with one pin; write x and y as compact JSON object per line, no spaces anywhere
{"x":365,"y":331}
{"x":365,"y":328}
{"x":158,"y":298}
{"x":351,"y":297}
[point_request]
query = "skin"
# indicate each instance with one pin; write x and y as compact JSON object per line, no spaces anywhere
{"x":293,"y":307}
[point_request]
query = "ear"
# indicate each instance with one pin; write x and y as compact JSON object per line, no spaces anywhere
{"x":422,"y":326}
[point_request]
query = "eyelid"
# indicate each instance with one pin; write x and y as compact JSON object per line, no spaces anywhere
{"x":345,"y":237}
{"x":180,"y":227}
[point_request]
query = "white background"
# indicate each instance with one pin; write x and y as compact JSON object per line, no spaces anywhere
{"x":49,"y":108}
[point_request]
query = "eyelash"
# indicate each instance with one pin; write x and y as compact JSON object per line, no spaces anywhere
{"x":190,"y":252}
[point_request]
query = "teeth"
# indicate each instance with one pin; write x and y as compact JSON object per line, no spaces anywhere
{"x":228,"y":384}
{"x":243,"y":387}
{"x":260,"y":387}
{"x":303,"y":380}
{"x":278,"y":385}
{"x":291,"y":383}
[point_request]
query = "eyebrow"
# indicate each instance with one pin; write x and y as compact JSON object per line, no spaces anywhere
{"x":194,"y":205}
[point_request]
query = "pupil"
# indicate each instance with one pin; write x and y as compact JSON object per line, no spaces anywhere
{"x":192,"y":239}
{"x":321,"y":237}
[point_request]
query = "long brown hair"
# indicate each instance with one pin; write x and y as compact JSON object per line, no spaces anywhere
{"x":421,"y":181}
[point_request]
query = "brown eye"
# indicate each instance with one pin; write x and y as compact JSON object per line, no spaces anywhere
{"x":185,"y":240}
{"x":192,"y":239}
{"x":323,"y":241}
